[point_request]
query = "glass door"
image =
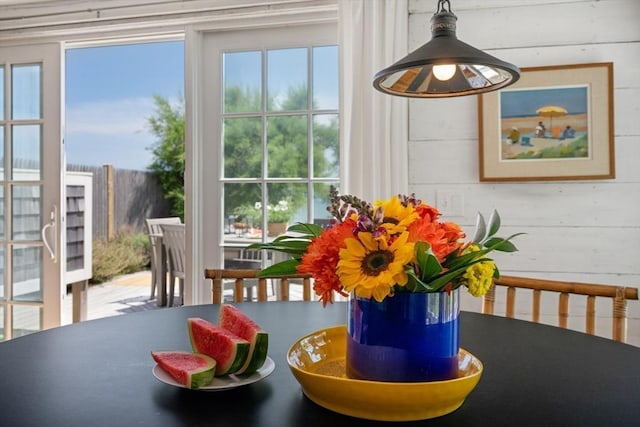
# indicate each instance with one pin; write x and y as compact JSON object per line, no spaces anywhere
{"x":30,"y":183}
{"x":270,"y":128}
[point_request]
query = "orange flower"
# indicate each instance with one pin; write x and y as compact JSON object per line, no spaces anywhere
{"x":428,"y":212}
{"x":322,"y":256}
{"x":444,"y":237}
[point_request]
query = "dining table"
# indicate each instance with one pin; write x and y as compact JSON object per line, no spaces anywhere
{"x":100,"y":373}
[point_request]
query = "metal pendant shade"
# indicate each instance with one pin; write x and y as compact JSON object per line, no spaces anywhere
{"x":474,"y":71}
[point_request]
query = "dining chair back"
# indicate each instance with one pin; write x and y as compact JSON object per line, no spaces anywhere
{"x":174,"y":242}
{"x":240,"y":276}
{"x":618,"y":295}
{"x":154,"y":230}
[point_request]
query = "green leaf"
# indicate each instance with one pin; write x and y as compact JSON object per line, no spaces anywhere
{"x":431,"y":268}
{"x":295,"y":248}
{"x":494,"y":223}
{"x":306,"y":229}
{"x":502,"y":245}
{"x":282,"y":246}
{"x":481,"y":229}
{"x":466,"y":259}
{"x":413,"y":284}
{"x":280,"y":269}
{"x":427,"y":262}
{"x":422,"y":250}
{"x":450,"y":275}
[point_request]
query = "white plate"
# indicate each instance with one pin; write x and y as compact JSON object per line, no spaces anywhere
{"x":221,"y":383}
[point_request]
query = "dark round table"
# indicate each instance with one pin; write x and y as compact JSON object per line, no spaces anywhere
{"x":99,"y":373}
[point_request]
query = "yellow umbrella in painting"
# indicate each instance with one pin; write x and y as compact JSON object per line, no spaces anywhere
{"x":551,"y":111}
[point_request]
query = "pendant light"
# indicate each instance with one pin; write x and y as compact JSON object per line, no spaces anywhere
{"x":445,"y":66}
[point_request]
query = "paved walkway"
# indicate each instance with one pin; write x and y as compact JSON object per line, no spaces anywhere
{"x":128,"y":294}
{"x":125,"y":294}
{"x":131,"y":293}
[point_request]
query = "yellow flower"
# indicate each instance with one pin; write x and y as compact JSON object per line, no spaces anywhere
{"x":371,"y":267}
{"x":479,"y":275}
{"x":396,"y":216}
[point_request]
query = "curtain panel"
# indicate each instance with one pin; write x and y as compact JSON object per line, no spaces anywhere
{"x":372,"y":34}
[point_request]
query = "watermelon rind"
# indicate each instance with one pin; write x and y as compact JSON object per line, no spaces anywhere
{"x":193,"y":370}
{"x":234,"y":320}
{"x":229,"y":351}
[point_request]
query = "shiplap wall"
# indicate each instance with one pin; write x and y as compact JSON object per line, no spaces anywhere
{"x":576,"y":230}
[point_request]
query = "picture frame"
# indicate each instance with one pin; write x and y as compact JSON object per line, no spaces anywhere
{"x":555,"y":123}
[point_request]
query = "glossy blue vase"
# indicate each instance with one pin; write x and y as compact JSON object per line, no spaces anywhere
{"x":409,"y":337}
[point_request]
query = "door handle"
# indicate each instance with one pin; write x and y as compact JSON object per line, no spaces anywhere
{"x":52,"y":227}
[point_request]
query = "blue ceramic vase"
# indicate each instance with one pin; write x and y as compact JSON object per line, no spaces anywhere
{"x":409,"y":337}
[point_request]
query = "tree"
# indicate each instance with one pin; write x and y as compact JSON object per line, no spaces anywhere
{"x":287,"y":148}
{"x":168,"y":152}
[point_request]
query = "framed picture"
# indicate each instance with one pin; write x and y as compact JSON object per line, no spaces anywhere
{"x":555,"y":123}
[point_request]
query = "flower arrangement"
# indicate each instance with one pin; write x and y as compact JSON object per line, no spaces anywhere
{"x":395,"y":245}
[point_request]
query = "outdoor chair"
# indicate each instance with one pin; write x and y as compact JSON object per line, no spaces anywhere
{"x":158,"y":257}
{"x":174,"y":243}
{"x":618,"y":295}
{"x":239,"y":276}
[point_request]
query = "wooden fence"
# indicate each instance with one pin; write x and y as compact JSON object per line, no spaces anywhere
{"x":123,"y":199}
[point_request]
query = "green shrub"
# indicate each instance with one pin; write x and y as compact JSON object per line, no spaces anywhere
{"x":126,"y":253}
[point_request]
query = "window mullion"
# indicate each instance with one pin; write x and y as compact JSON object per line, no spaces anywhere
{"x":265,"y":153}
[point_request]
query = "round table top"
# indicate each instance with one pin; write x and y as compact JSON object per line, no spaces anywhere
{"x":99,"y":373}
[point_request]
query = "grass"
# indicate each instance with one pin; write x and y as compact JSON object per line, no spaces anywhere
{"x":126,"y":253}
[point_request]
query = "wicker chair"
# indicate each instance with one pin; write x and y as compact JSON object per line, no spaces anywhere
{"x":618,"y":294}
{"x":218,"y":275}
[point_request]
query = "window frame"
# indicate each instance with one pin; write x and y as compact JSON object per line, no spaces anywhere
{"x":204,"y":114}
{"x":264,"y":115}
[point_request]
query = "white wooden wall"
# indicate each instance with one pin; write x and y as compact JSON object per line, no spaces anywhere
{"x":576,"y":230}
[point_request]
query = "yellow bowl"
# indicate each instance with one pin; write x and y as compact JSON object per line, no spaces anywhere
{"x":317,"y":361}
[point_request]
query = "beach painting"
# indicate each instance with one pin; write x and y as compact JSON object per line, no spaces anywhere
{"x":554,"y":123}
{"x":544,"y":123}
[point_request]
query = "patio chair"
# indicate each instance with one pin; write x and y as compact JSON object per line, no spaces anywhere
{"x":173,"y":241}
{"x":618,"y":295}
{"x":239,"y":276}
{"x":158,"y":257}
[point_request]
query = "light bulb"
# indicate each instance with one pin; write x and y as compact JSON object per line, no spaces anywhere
{"x":444,"y":72}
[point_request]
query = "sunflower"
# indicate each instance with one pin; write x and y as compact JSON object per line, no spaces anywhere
{"x":371,"y":266}
{"x":396,"y":216}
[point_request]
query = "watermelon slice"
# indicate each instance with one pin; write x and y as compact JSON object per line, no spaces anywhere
{"x":229,"y":351}
{"x":189,"y":369}
{"x":238,"y":323}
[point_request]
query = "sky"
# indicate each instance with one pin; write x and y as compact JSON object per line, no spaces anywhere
{"x":523,"y":103}
{"x":109,"y":93}
{"x":109,"y":98}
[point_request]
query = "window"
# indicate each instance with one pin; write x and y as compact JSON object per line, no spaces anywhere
{"x":263,"y":139}
{"x":280,"y":138}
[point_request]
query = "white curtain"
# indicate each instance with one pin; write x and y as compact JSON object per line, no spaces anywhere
{"x":372,"y":34}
